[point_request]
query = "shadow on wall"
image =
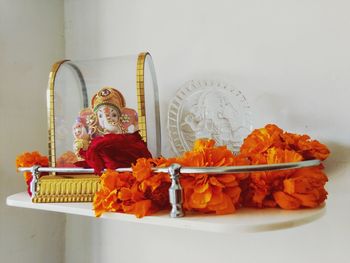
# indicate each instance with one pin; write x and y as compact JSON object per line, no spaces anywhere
{"x":339,"y":154}
{"x":337,"y":168}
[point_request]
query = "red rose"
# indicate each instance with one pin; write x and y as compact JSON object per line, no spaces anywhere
{"x":114,"y":151}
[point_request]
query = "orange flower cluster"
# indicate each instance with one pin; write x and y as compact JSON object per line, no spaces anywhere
{"x":271,"y":136}
{"x":289,"y":189}
{"x":148,"y":191}
{"x":140,"y":193}
{"x":143,"y":192}
{"x":218,"y":193}
{"x":28,"y":159}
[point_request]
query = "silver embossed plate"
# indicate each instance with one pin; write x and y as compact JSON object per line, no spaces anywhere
{"x":208,"y":109}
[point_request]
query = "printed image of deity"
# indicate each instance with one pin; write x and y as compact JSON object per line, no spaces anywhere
{"x":108,"y":114}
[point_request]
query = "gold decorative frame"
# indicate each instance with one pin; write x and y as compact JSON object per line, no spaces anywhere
{"x":140,"y":89}
{"x":79,"y":188}
{"x":141,"y":109}
{"x":51,"y":111}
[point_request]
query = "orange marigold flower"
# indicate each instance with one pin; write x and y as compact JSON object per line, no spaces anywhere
{"x":154,"y":181}
{"x":225,"y":207}
{"x":142,"y":169}
{"x":124,"y":194}
{"x":124,"y":180}
{"x":307,"y":186}
{"x":139,"y":209}
{"x":260,"y":140}
{"x":108,"y":179}
{"x":164,"y":162}
{"x":309,"y":149}
{"x":286,"y":201}
{"x":106,"y":199}
{"x":159,"y":196}
{"x":67,"y":159}
{"x":218,"y":156}
{"x":206,"y":154}
{"x":29,"y":159}
{"x":256,"y":189}
{"x":260,"y":186}
{"x":276,"y":155}
{"x":153,"y":186}
{"x":211,"y":193}
{"x":202,"y":144}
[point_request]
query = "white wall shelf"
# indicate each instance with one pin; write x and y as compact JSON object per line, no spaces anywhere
{"x":244,"y":220}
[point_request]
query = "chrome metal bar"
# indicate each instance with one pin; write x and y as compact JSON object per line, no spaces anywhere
{"x":193,"y":170}
{"x":249,"y":168}
{"x":58,"y":170}
{"x":71,"y":170}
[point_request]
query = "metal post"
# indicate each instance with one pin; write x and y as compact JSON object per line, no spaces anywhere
{"x":35,"y":178}
{"x":175,"y":191}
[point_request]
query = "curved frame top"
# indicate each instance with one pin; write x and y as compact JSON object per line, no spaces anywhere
{"x":141,"y":110}
{"x":51,"y":111}
{"x":51,"y":104}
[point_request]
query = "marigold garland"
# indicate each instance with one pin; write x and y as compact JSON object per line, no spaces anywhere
{"x":143,"y":192}
{"x":223,"y":194}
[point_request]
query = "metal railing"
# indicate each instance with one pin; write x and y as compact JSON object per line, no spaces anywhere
{"x":174,"y":170}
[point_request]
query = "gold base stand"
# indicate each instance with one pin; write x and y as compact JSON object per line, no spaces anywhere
{"x":67,"y":188}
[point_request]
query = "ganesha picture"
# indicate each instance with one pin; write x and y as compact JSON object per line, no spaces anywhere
{"x":108,"y":124}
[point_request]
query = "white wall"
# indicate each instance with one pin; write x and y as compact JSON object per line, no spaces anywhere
{"x":290,"y":58}
{"x":31,"y":39}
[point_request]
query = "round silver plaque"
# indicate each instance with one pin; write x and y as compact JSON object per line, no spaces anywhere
{"x":208,"y":109}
